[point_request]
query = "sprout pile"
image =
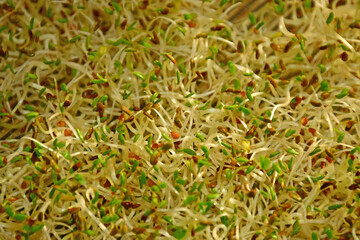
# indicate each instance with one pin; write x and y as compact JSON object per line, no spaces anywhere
{"x":161,"y":119}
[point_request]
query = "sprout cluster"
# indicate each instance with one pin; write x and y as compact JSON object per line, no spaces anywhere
{"x":162,"y":119}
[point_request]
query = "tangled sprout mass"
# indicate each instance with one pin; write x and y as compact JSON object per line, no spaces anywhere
{"x":165,"y":120}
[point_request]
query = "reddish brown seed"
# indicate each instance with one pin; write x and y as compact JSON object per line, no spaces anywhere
{"x":212,"y":185}
{"x":237,"y":189}
{"x":40,"y":216}
{"x":166,"y":147}
{"x":123,"y":24}
{"x":232,"y":90}
{"x":91,"y":94}
{"x":136,"y":205}
{"x":171,"y":58}
{"x":155,"y":38}
{"x":177,"y":122}
{"x":354,"y":186}
{"x":49,"y":97}
{"x":154,"y":159}
{"x":150,"y":183}
{"x":114,"y":231}
{"x":132,"y":155}
{"x":201,"y":35}
{"x":73,"y":210}
{"x":142,"y":23}
{"x":175,"y":135}
{"x":312,"y":131}
{"x":329,"y":159}
{"x":157,"y":145}
{"x":68,"y":132}
{"x":100,"y":108}
{"x":217,"y":28}
{"x":285,"y":206}
{"x":275,"y":46}
{"x":257,"y":53}
{"x":223,"y":130}
{"x":255,"y":236}
{"x":193,"y":232}
{"x":3,"y":53}
{"x":30,"y":221}
{"x":329,"y":153}
{"x":272,"y":218}
{"x":325,"y":95}
{"x":143,"y":4}
{"x":178,"y":111}
{"x":267,"y":69}
{"x":127,"y":205}
{"x":349,"y":125}
{"x":13,"y":199}
{"x":122,"y":117}
{"x":288,"y":46}
{"x":97,"y":24}
{"x":61,"y":124}
{"x":314,"y":79}
{"x":252,"y":193}
{"x":164,"y":11}
{"x":299,"y":13}
{"x":157,"y":106}
{"x":130,"y":119}
{"x":157,"y":71}
{"x":107,"y":184}
{"x":272,"y":81}
{"x":89,"y":133}
{"x":76,"y":166}
{"x":304,"y":121}
{"x":139,"y":230}
{"x":267,"y":119}
{"x":304,"y":82}
{"x":136,"y":109}
{"x":250,"y":84}
{"x":295,"y":102}
{"x":344,"y":56}
{"x":272,"y":131}
{"x":191,"y":24}
{"x":315,"y":103}
{"x":355,"y":25}
{"x":310,"y":58}
{"x":67,"y":103}
{"x":327,"y":184}
{"x":240,"y":47}
{"x":151,"y":117}
{"x":252,"y":131}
